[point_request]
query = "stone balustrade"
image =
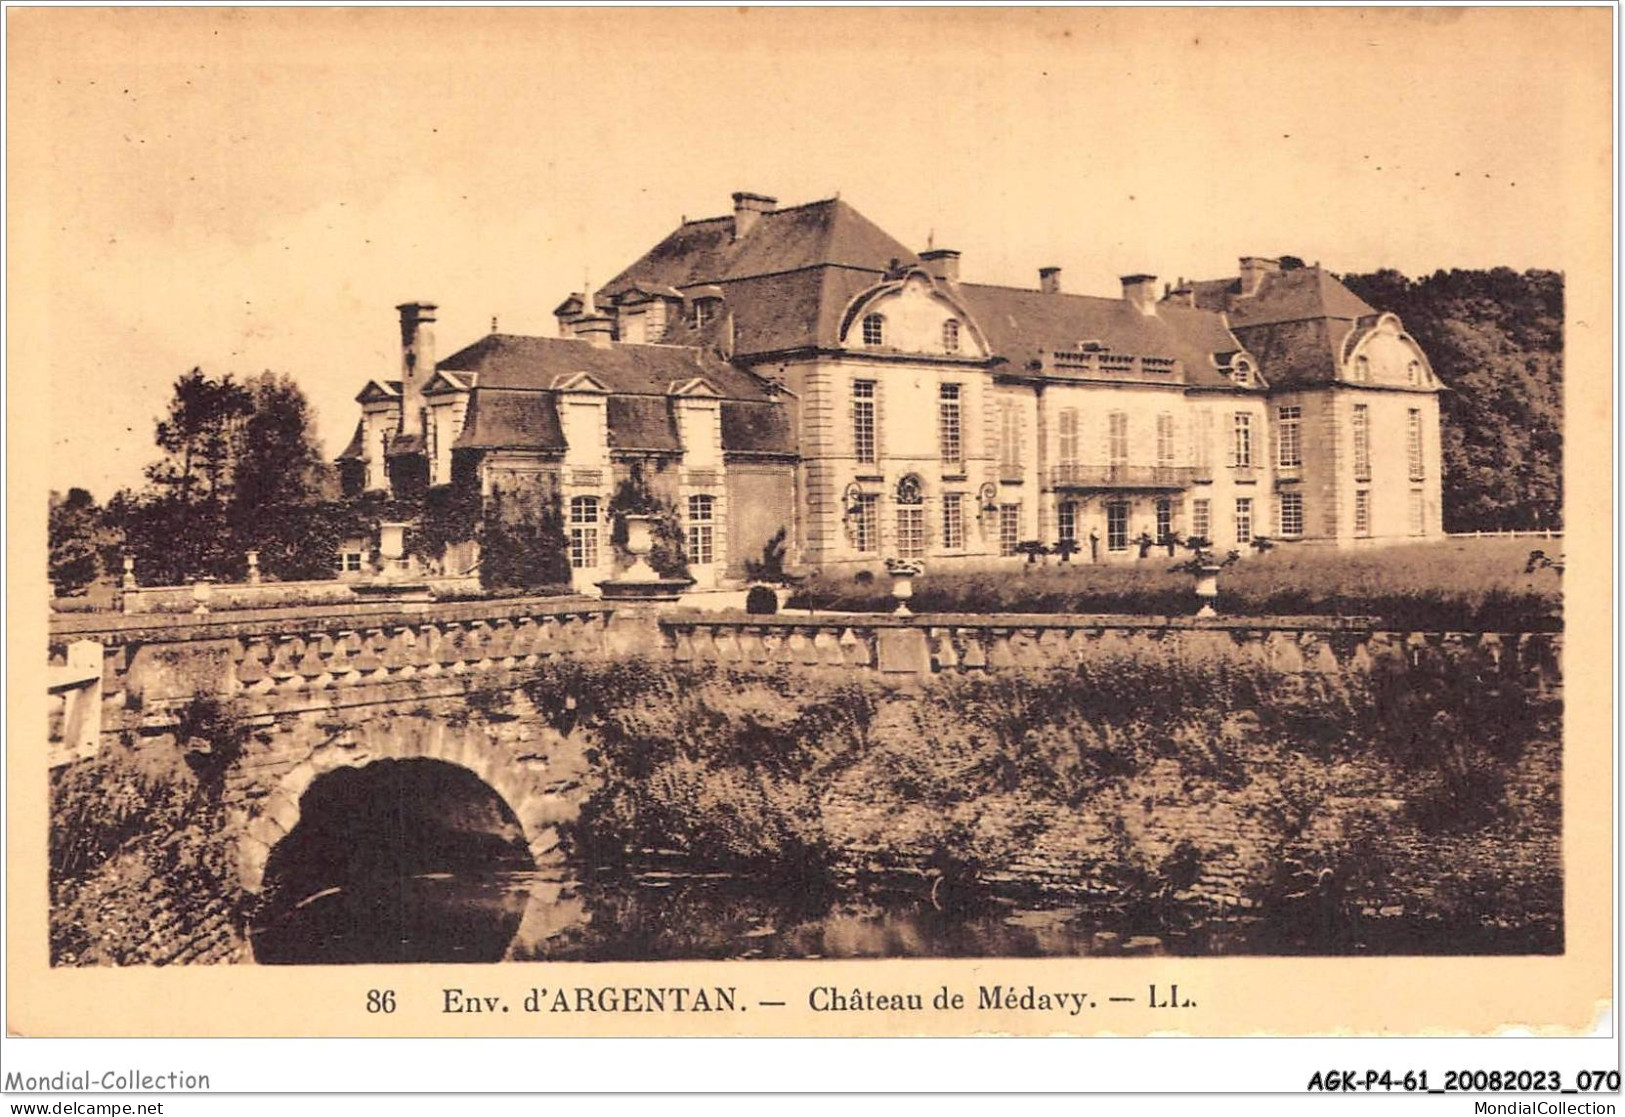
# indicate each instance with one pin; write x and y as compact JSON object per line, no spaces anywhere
{"x":277,"y":663}
{"x":935,"y":643}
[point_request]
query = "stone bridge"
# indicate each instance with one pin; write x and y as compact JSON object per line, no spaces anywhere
{"x":322,"y":688}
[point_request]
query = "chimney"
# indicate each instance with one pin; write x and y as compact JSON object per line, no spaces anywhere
{"x":1253,"y":271}
{"x":942,"y":263}
{"x":1049,"y":280}
{"x":597,"y":328}
{"x":417,"y":360}
{"x":1182,"y":295}
{"x":1141,"y":292}
{"x":748,"y":209}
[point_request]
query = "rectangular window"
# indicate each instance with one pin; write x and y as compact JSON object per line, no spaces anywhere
{"x":863,"y":420}
{"x":1067,"y":426}
{"x":1204,"y":442}
{"x":1009,"y":527}
{"x":350,"y":561}
{"x":1418,"y":512}
{"x":1202,"y":519}
{"x":910,"y":531}
{"x":953,"y":521}
{"x":1165,"y":438}
{"x":1241,"y":446}
{"x":1117,"y":525}
{"x":583,"y":532}
{"x":1291,"y":437}
{"x":1117,"y":438}
{"x":948,"y":426}
{"x":1361,"y":425}
{"x":1244,"y":519}
{"x":1291,"y":515}
{"x":1413,"y":437}
{"x":1066,"y":520}
{"x":866,"y":524}
{"x":1362,"y":512}
{"x":1165,"y":518}
{"x":1009,"y":435}
{"x":701,"y":538}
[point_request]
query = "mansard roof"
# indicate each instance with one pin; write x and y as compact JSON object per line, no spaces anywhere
{"x":511,"y":361}
{"x":1290,"y":295}
{"x":355,"y":451}
{"x":1023,"y":324}
{"x":828,"y":233}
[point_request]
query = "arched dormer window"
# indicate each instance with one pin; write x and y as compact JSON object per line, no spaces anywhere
{"x":1242,"y":373}
{"x":874,"y":329}
{"x":1362,"y":368}
{"x":950,"y":336}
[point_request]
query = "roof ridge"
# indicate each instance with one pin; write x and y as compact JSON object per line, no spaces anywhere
{"x":767,"y":213}
{"x":1046,"y":294}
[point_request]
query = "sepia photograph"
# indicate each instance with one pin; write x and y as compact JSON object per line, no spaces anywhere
{"x":691,"y":486}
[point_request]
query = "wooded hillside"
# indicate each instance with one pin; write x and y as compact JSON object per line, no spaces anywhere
{"x":1496,"y":340}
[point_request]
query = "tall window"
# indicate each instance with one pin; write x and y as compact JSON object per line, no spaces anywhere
{"x":1361,"y":425}
{"x":1413,"y":442}
{"x":1241,"y":445}
{"x":1204,"y":441}
{"x":1165,"y":438}
{"x":1244,"y":519}
{"x":1418,"y":512}
{"x":950,"y":335}
{"x":1067,"y":434}
{"x":1117,"y":438}
{"x":1202,"y":519}
{"x":910,"y":518}
{"x":1117,"y":525}
{"x":863,"y":420}
{"x":701,"y":527}
{"x":874,"y":329}
{"x":583,"y":532}
{"x":949,"y":427}
{"x":1066,"y":520}
{"x":953,"y":521}
{"x":1009,"y":527}
{"x":1291,"y":515}
{"x":1362,"y":512}
{"x":1413,"y":372}
{"x":1009,"y":436}
{"x":1165,"y":518}
{"x":1362,"y":368}
{"x":866,"y":524}
{"x":1291,"y":436}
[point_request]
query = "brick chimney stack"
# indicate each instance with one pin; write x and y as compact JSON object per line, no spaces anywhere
{"x":1141,"y":292}
{"x":1049,"y":280}
{"x":748,"y":209}
{"x":417,"y":361}
{"x":942,"y":263}
{"x":1253,"y":271}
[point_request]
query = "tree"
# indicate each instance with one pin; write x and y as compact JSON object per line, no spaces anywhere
{"x":74,"y":533}
{"x":199,"y":437}
{"x":276,"y":503}
{"x":1495,"y":338}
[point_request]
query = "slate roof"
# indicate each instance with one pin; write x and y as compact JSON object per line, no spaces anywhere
{"x":505,"y":419}
{"x":756,"y":428}
{"x":353,"y":452}
{"x":641,"y":423}
{"x":826,"y":233}
{"x":1022,"y":324}
{"x":1298,"y":323}
{"x":534,"y":363}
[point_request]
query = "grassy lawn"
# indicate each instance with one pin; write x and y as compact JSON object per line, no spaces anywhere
{"x":1453,"y":583}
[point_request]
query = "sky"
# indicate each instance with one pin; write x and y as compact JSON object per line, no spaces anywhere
{"x":254,"y":189}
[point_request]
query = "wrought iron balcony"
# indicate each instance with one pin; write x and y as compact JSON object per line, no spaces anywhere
{"x":1121,"y":476}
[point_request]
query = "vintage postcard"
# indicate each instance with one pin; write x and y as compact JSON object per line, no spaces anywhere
{"x":773,"y":522}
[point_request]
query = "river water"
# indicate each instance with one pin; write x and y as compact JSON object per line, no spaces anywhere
{"x":549,"y":915}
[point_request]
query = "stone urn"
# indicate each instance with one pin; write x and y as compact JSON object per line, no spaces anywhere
{"x":1207,"y":588}
{"x":903,"y":572}
{"x":392,"y":549}
{"x":128,"y":580}
{"x":253,"y":568}
{"x":640,"y":581}
{"x":202,"y":591}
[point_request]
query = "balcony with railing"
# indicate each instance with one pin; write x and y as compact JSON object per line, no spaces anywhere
{"x":1075,"y":475}
{"x":1090,"y":364}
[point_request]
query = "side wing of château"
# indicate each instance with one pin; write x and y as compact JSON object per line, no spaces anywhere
{"x":800,"y":369}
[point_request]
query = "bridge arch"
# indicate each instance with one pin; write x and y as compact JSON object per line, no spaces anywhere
{"x":540,"y":778}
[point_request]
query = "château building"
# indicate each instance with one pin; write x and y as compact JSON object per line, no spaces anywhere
{"x":801,"y":370}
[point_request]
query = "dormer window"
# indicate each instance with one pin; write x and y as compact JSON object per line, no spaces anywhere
{"x":874,"y":329}
{"x":1242,"y":374}
{"x":700,"y":312}
{"x":950,"y":336}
